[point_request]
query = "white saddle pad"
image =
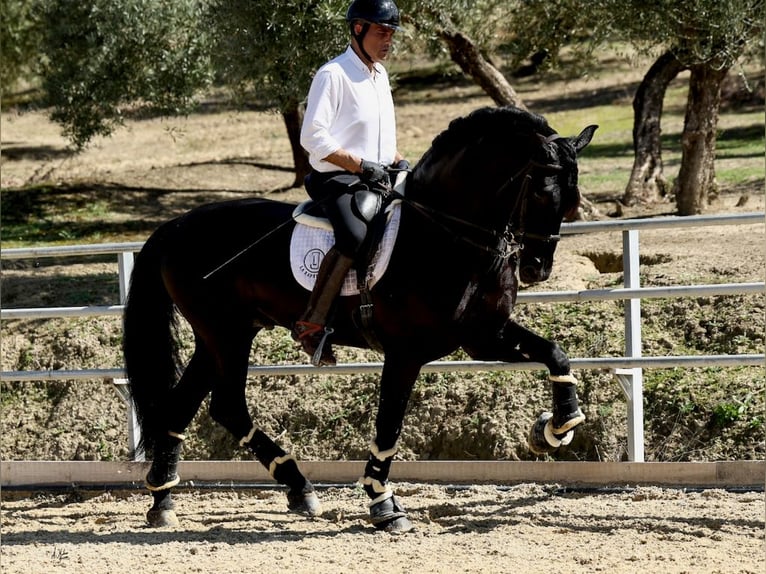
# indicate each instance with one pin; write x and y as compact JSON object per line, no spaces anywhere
{"x":309,"y":244}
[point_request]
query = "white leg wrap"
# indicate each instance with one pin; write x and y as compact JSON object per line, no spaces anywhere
{"x":249,"y":437}
{"x":279,"y":460}
{"x":377,"y":486}
{"x":381,"y":498}
{"x":382,"y":454}
{"x":384,"y":490}
{"x":570,"y":378}
{"x":165,"y":486}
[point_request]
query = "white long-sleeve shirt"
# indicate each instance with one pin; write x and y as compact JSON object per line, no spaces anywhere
{"x":349,"y":107}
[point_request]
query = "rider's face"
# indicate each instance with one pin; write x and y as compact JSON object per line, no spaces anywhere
{"x":378,"y":42}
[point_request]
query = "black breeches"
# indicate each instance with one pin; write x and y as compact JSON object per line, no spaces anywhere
{"x":349,"y":205}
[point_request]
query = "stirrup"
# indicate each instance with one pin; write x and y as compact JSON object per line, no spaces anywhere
{"x":313,"y":338}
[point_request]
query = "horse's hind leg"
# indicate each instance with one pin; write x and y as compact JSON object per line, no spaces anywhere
{"x":282,"y":467}
{"x":183,"y":403}
{"x":228,"y":406}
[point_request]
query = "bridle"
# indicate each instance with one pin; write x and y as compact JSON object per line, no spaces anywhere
{"x":500,"y":243}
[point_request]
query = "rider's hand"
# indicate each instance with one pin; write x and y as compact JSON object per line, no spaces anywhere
{"x":373,"y":173}
{"x":402,"y":165}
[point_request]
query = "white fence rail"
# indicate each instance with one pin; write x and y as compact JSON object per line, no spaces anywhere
{"x":627,"y":369}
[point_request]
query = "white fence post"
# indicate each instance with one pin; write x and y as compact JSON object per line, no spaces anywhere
{"x":125,"y":261}
{"x":125,"y":264}
{"x":632,"y":380}
{"x":134,"y":430}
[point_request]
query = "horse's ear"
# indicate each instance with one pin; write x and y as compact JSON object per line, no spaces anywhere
{"x":584,"y":138}
{"x":547,"y":139}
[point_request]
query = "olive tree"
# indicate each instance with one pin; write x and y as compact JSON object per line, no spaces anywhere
{"x":467,"y":29}
{"x":710,"y":37}
{"x":105,"y":58}
{"x":707,"y":37}
{"x":268,"y":51}
{"x":19,"y":39}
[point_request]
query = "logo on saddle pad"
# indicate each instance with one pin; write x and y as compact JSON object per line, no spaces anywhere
{"x":313,"y":237}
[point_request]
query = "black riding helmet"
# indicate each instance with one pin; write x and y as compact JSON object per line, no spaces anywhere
{"x":382,"y":12}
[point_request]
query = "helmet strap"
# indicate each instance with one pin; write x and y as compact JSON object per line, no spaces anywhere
{"x":360,"y":40}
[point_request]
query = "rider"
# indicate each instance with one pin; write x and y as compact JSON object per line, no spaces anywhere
{"x":349,"y":131}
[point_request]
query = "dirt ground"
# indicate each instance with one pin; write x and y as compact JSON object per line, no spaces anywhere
{"x":528,"y":528}
{"x":481,"y":529}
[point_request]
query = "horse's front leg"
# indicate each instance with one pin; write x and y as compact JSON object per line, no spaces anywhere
{"x":397,"y":381}
{"x":518,"y":344}
{"x":556,"y":429}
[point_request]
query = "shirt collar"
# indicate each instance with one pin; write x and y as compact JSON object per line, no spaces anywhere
{"x":360,"y":64}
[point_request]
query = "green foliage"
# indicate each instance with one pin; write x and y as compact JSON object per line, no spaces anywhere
{"x":270,"y":49}
{"x":548,"y":26}
{"x":478,"y":19}
{"x":104,"y":57}
{"x":688,"y":411}
{"x":699,"y":31}
{"x":727,"y":413}
{"x":713,"y":32}
{"x":19,"y":37}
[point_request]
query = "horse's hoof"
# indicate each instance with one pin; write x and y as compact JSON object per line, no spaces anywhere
{"x":389,"y":516}
{"x":162,"y":519}
{"x":396,"y":525}
{"x":307,"y":504}
{"x":542,"y":439}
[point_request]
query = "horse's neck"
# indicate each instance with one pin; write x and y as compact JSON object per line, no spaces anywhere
{"x":456,"y":190}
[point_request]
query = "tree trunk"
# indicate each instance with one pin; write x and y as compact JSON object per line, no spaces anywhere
{"x":696,"y":178}
{"x":466,"y":55}
{"x":293,"y":118}
{"x":647,"y":183}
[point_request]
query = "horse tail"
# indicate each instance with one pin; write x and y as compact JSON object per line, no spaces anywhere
{"x":150,"y":345}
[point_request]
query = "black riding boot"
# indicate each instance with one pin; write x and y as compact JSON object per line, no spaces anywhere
{"x":310,"y":330}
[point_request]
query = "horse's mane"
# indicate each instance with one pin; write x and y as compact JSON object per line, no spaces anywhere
{"x":500,"y":120}
{"x":507,"y":131}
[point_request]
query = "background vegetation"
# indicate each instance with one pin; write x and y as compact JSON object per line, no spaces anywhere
{"x":692,"y":414}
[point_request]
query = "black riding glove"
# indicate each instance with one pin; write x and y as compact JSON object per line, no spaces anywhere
{"x":374,"y":173}
{"x":402,"y":165}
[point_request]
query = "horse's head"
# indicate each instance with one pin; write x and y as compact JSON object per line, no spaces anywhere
{"x":547,"y":195}
{"x":506,"y":172}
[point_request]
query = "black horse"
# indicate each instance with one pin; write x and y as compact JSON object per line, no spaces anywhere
{"x":483,"y":208}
